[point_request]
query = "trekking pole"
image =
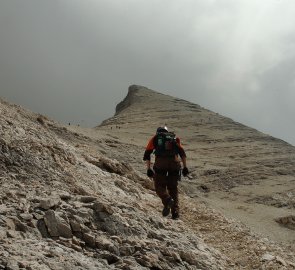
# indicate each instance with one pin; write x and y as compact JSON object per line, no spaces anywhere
{"x":189,"y":176}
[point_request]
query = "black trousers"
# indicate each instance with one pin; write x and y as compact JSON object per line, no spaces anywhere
{"x":167,"y":175}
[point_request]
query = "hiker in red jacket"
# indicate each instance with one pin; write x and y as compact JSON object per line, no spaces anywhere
{"x":166,"y":171}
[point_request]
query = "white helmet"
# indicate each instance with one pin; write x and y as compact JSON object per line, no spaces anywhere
{"x":162,"y":129}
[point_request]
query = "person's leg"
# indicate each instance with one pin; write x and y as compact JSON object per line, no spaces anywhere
{"x":173,"y":192}
{"x":172,"y":186}
{"x":161,"y":190}
{"x":160,"y":182}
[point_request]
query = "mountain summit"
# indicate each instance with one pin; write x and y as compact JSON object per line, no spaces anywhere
{"x":78,"y":198}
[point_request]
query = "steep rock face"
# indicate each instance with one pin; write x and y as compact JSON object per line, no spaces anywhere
{"x":128,"y":100}
{"x":136,"y":95}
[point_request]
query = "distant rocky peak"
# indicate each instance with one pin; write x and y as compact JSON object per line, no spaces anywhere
{"x":132,"y":97}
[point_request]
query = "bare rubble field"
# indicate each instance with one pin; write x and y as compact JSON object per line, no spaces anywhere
{"x":65,"y":206}
{"x":68,"y":200}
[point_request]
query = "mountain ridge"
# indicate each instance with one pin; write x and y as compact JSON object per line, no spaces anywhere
{"x":228,"y":158}
{"x":78,"y":198}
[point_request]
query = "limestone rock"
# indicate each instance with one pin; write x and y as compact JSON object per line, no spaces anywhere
{"x":89,"y":239}
{"x":101,"y":207}
{"x":288,"y":221}
{"x":75,"y":225}
{"x":268,"y":257}
{"x":49,"y":203}
{"x":88,"y":199}
{"x":56,"y":225}
{"x":3,"y":209}
{"x":26,"y":216}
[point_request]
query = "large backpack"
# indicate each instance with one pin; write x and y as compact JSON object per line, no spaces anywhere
{"x":165,"y":144}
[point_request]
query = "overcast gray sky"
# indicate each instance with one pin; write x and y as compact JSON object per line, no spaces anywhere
{"x":73,"y":60}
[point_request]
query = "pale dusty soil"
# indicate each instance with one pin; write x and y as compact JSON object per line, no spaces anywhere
{"x":259,"y":217}
{"x":240,"y":204}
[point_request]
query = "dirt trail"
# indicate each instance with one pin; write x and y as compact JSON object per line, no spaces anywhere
{"x":243,"y":248}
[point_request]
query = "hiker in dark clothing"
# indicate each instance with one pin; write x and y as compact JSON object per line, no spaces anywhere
{"x":166,"y":171}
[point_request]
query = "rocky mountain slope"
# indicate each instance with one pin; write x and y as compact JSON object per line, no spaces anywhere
{"x":250,"y":175}
{"x":74,"y":198}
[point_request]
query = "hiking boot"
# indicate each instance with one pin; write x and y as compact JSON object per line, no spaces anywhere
{"x":167,"y":207}
{"x":175,"y":215}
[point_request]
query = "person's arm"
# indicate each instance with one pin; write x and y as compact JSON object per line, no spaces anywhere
{"x":183,"y":159}
{"x":181,"y":152}
{"x":182,"y":155}
{"x":147,"y":157}
{"x":148,"y":151}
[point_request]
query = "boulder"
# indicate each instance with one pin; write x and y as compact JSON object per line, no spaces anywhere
{"x":49,"y":203}
{"x":267,"y":257}
{"x":56,"y":225}
{"x":89,"y":239}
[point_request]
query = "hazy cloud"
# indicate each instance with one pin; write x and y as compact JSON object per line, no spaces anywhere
{"x":73,"y":60}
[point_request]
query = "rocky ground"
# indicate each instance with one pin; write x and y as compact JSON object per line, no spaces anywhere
{"x":74,"y":198}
